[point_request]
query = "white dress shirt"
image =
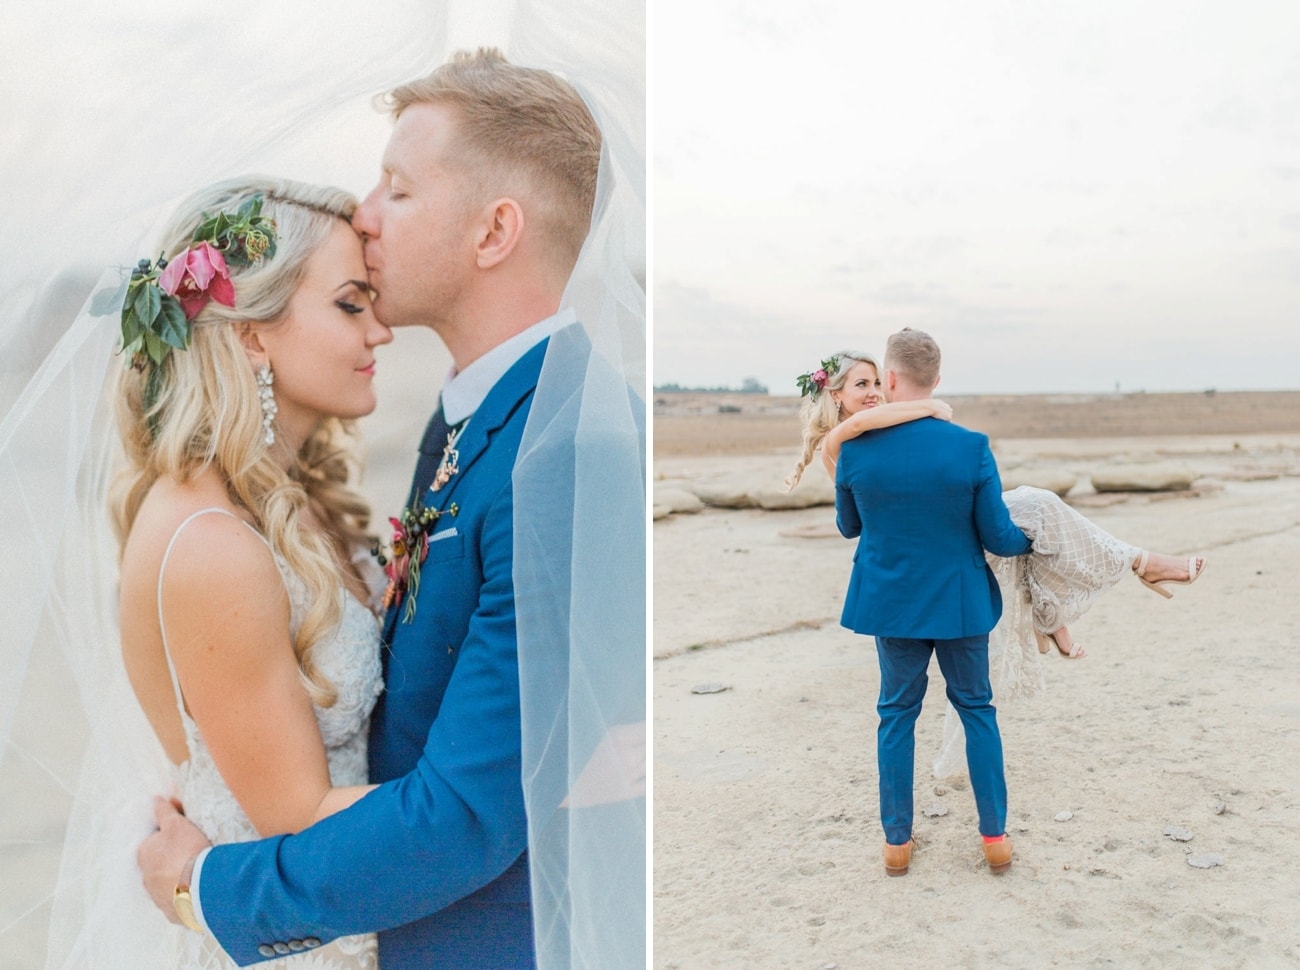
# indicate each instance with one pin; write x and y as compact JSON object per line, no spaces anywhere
{"x":463,"y":391}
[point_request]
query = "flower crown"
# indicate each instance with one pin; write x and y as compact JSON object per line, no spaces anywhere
{"x":164,"y":296}
{"x":813,"y":382}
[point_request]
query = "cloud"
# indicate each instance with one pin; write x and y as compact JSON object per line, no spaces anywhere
{"x":691,"y":314}
{"x":699,"y":340}
{"x":1064,"y":238}
{"x":1232,"y":114}
{"x":908,"y":294}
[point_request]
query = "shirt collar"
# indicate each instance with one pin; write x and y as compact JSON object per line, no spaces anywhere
{"x":464,"y":391}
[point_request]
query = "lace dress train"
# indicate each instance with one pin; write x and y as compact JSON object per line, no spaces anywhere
{"x":1073,"y":562}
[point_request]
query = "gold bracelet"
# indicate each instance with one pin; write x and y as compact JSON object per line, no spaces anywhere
{"x":183,"y":903}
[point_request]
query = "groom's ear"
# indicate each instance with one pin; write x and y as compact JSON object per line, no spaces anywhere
{"x":502,"y":230}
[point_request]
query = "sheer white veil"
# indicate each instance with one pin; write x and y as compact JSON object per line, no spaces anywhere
{"x":144,"y":107}
{"x":580,"y":563}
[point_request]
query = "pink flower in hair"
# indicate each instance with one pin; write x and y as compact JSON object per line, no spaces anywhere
{"x":820,"y":377}
{"x":196,"y":276}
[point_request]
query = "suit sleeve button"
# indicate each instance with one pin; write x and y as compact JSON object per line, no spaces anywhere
{"x":281,"y":948}
{"x":266,"y":950}
{"x":297,"y":946}
{"x":310,"y":942}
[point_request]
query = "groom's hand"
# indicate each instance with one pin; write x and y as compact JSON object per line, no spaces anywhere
{"x":167,"y":857}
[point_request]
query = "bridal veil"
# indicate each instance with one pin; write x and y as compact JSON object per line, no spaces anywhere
{"x":142,"y":108}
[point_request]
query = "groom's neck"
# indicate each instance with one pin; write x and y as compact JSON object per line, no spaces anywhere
{"x":899,"y":388}
{"x":903,"y":391}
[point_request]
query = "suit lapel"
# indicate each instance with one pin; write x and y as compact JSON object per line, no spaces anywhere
{"x":512,"y":390}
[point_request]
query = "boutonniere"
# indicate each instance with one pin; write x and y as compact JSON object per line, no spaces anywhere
{"x":450,"y":463}
{"x":405,"y":556}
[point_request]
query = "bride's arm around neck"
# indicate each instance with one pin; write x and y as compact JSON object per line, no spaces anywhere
{"x":873,"y":419}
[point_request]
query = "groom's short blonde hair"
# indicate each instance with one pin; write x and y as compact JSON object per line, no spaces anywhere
{"x":914,"y":356}
{"x":518,"y":124}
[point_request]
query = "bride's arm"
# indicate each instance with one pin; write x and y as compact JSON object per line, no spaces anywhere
{"x":873,"y":419}
{"x":227,"y":616}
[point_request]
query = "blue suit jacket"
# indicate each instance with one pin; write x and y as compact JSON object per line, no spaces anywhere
{"x":434,"y":856}
{"x":926,"y":499}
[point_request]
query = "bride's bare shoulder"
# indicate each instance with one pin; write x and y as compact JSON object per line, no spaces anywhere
{"x":171,"y":504}
{"x":215,"y":564}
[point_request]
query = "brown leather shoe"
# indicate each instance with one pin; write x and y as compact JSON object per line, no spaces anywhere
{"x":998,"y":854}
{"x":898,"y":858}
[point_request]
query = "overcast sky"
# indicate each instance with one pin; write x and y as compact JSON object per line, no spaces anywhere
{"x":1067,"y":196}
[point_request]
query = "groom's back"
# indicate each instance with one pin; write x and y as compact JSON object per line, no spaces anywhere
{"x":915,"y":492}
{"x":915,"y":484}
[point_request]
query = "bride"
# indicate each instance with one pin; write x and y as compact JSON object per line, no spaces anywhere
{"x":1072,"y":563}
{"x":248,"y":622}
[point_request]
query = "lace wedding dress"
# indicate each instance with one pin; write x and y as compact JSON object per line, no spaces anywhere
{"x":350,"y":660}
{"x":1073,"y":563}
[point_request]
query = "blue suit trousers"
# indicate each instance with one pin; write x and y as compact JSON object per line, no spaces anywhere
{"x":903,"y":680}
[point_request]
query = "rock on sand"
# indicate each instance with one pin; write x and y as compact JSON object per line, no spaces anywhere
{"x":1150,"y":477}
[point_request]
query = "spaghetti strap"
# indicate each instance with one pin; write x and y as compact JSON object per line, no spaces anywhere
{"x":162,"y":568}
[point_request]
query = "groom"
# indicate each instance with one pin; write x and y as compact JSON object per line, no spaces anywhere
{"x":484,"y":201}
{"x":926,"y":498}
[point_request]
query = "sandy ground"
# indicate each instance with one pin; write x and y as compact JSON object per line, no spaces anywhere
{"x":1185,"y":714}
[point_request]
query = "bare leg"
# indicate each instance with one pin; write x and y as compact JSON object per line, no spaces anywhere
{"x":1157,"y":567}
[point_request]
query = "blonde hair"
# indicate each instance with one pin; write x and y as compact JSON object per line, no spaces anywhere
{"x":519,"y":121}
{"x":914,"y":356}
{"x":819,"y":412}
{"x":208,"y":412}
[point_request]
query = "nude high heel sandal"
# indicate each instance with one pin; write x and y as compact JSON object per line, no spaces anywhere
{"x":1195,"y":566}
{"x":1047,"y":640}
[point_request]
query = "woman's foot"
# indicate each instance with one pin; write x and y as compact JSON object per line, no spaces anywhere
{"x":1063,"y":642}
{"x":1155,"y":569}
